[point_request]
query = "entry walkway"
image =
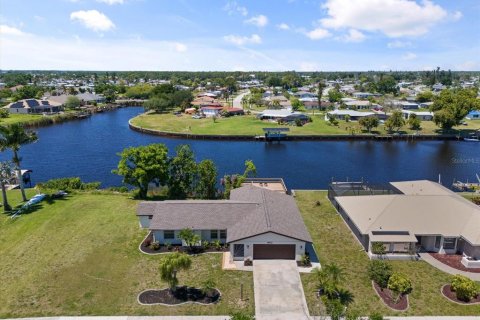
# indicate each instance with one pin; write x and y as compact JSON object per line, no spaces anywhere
{"x":278,"y":291}
{"x":443,"y":267}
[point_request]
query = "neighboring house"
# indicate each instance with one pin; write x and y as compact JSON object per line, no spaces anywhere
{"x":438,"y":87}
{"x":305,"y":95}
{"x":361,"y":104}
{"x":422,"y":115}
{"x":310,"y":105}
{"x":425,"y":105}
{"x":88,"y":98}
{"x":234,"y":111}
{"x":256,"y":223}
{"x":286,"y":115}
{"x":211,"y":110}
{"x":203,"y":101}
{"x":411,"y":216}
{"x":354,"y":115}
{"x":35,"y":106}
{"x":365,"y":95}
{"x":473,"y":115}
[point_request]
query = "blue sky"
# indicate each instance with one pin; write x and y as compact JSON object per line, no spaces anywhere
{"x":303,"y":35}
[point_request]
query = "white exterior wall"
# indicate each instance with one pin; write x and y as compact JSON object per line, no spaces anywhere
{"x":428,"y":243}
{"x":268,"y":238}
{"x":144,"y":221}
{"x":18,"y":110}
{"x":204,"y":235}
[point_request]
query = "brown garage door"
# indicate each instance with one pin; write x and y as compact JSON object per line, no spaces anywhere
{"x":274,"y":251}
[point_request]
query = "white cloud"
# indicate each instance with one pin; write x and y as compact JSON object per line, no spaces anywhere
{"x":354,"y":36}
{"x":318,"y":33}
{"x":399,"y":44}
{"x":111,"y":2}
{"x":259,"y":21}
{"x":7,"y":30}
{"x":394,"y":18}
{"x":409,"y":56}
{"x":283,"y":26}
{"x":457,"y":15}
{"x":242,"y":40}
{"x":233,"y":7}
{"x":92,"y":19}
{"x":180,"y":47}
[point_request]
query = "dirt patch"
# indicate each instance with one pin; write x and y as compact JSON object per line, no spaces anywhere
{"x":388,"y":298}
{"x":450,"y":295}
{"x":454,"y":261}
{"x":180,"y":296}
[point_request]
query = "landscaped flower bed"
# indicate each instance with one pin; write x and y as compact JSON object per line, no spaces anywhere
{"x":451,"y":295}
{"x":388,"y":298}
{"x":179,"y":296}
{"x":150,"y":247}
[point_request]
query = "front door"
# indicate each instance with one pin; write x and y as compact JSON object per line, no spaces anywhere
{"x":238,"y":250}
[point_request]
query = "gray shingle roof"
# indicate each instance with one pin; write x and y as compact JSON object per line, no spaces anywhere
{"x":249,"y":212}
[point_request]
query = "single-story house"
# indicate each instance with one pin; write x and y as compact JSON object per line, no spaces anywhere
{"x":305,"y":95}
{"x":341,"y":113}
{"x":418,"y":215}
{"x":256,"y":223}
{"x":473,"y":115}
{"x":313,"y":104}
{"x":426,"y":105}
{"x":422,"y":115}
{"x":88,"y":98}
{"x":280,"y":114}
{"x":361,"y":104}
{"x":234,"y":111}
{"x":32,"y":106}
{"x":211,"y":110}
{"x":365,"y":95}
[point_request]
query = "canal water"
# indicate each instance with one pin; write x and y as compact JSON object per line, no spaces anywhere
{"x":88,"y":149}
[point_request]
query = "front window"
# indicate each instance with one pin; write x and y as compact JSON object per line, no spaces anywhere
{"x":169,"y":234}
{"x":238,"y":250}
{"x":213,"y":234}
{"x":449,"y":243}
{"x":437,"y":241}
{"x":223,"y":234}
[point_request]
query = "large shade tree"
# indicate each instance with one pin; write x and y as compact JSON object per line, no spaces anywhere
{"x":12,"y":137}
{"x":144,"y":164}
{"x":181,"y":173}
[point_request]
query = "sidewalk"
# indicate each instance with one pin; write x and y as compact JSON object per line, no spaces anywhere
{"x":443,"y":267}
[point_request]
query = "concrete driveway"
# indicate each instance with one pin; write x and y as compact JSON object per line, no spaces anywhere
{"x":278,"y":291}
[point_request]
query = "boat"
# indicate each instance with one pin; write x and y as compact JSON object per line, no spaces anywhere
{"x":33,"y":201}
{"x":471,"y":139}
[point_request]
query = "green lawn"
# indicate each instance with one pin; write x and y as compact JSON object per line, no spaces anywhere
{"x":335,"y":243}
{"x":19,"y":118}
{"x":250,"y":125}
{"x":79,"y":256}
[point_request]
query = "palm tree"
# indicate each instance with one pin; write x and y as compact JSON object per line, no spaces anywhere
{"x":6,"y":174}
{"x":12,"y":137}
{"x":171,"y":264}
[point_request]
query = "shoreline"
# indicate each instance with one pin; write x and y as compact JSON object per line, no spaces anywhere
{"x":191,"y":136}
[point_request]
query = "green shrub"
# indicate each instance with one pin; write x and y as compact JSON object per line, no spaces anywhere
{"x":205,"y":244}
{"x":121,"y":189}
{"x":378,"y":248}
{"x":4,"y":113}
{"x":379,"y":271}
{"x":68,"y":184}
{"x":305,"y":260}
{"x":400,"y":284}
{"x":155,"y":245}
{"x":217,"y":244}
{"x":375,"y":316}
{"x":465,"y":288}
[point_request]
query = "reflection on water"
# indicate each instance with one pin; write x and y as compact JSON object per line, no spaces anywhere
{"x":88,"y":149}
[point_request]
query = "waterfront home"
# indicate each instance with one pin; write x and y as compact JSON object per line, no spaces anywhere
{"x":211,"y":110}
{"x":422,"y":115}
{"x":353,"y":114}
{"x":255,"y":223}
{"x":409,"y":216}
{"x":34,"y":106}
{"x":89,"y":98}
{"x":473,"y":115}
{"x":283,"y":115}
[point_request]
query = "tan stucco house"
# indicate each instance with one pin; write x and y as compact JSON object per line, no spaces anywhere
{"x":256,"y":223}
{"x":419,"y":215}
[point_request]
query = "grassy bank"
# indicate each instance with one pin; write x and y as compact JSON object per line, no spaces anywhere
{"x":335,"y":243}
{"x":79,"y":256}
{"x":250,"y":125}
{"x":35,"y":120}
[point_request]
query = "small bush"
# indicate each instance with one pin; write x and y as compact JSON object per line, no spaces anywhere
{"x":248,"y":263}
{"x":68,"y":184}
{"x":217,"y":244}
{"x":305,"y":261}
{"x":378,"y":248}
{"x":121,"y":189}
{"x":465,"y":288}
{"x":168,"y":245}
{"x":205,"y":244}
{"x":155,"y":245}
{"x":400,"y":284}
{"x":379,"y":271}
{"x":375,"y":316}
{"x":4,"y":113}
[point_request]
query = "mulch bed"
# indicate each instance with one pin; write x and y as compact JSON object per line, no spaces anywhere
{"x":387,"y":296}
{"x":145,"y":247}
{"x":300,"y":264}
{"x":181,"y":295}
{"x":450,"y":295}
{"x":454,"y":261}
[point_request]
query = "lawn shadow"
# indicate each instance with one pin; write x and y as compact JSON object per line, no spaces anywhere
{"x":49,"y":199}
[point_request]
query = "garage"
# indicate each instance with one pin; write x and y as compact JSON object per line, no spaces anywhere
{"x":274,"y":251}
